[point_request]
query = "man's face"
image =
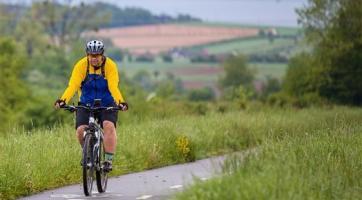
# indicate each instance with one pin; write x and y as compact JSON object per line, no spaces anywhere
{"x":95,"y":59}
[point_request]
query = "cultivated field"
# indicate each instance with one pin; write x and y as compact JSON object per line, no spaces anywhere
{"x":200,"y":75}
{"x":200,"y":38}
{"x":158,"y":38}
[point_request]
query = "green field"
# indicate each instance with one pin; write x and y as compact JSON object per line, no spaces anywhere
{"x":130,"y":69}
{"x":275,"y":70}
{"x":249,"y":46}
{"x":296,"y":146}
{"x":304,"y":160}
{"x":285,"y":41}
{"x":284,"y":31}
{"x":263,"y":70}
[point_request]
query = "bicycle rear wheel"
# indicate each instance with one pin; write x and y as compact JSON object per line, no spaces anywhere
{"x":88,"y":167}
{"x":101,"y":175}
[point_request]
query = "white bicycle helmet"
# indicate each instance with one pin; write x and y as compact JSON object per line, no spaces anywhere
{"x":95,"y":47}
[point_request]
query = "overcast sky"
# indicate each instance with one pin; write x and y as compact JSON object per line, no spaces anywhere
{"x":260,"y":12}
{"x":265,"y":12}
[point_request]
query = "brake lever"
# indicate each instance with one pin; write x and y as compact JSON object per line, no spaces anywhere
{"x":71,"y":108}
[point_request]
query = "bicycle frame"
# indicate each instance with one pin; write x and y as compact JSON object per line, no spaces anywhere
{"x":92,"y":149}
{"x":96,"y":133}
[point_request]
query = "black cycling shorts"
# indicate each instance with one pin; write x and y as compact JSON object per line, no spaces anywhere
{"x":82,"y":117}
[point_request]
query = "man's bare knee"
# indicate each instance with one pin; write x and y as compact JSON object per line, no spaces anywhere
{"x":80,"y":129}
{"x":108,"y":125}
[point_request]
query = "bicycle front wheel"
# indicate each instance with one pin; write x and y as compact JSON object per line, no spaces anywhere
{"x":88,"y":167}
{"x":101,"y":175}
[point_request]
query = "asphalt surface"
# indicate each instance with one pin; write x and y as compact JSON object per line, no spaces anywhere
{"x":159,"y":183}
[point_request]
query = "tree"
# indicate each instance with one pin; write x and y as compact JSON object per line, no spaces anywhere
{"x":272,"y":85}
{"x":334,"y":28}
{"x":63,"y":23}
{"x":13,"y":93}
{"x":237,"y":73}
{"x":303,"y":76}
{"x":204,"y":94}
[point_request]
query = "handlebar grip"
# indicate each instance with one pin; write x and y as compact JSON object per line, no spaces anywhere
{"x":69,"y":108}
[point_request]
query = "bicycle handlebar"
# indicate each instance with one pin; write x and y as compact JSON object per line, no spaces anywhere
{"x":91,"y":109}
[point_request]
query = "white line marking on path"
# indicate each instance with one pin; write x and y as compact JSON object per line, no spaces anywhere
{"x":176,"y":186}
{"x":144,"y":197}
{"x":65,"y":196}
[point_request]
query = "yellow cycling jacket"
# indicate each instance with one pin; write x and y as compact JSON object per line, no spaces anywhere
{"x":94,"y":85}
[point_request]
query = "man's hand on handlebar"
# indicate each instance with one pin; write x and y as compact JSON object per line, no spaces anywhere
{"x":123,"y":106}
{"x":59,"y":103}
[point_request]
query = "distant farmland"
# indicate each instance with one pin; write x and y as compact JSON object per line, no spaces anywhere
{"x":200,"y":39}
{"x":158,"y":38}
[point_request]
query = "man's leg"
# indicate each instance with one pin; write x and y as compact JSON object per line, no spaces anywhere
{"x":110,"y":137}
{"x":80,"y":132}
{"x":81,"y":122}
{"x":110,"y":142}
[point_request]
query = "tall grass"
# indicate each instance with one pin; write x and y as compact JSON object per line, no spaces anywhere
{"x":318,"y":156}
{"x":48,"y":158}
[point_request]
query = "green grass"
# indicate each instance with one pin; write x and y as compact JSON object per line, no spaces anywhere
{"x":249,"y":46}
{"x":275,"y":70}
{"x":44,"y":159}
{"x":288,"y":31}
{"x":312,"y":154}
{"x":131,"y":68}
{"x":281,"y":30}
{"x":48,"y":158}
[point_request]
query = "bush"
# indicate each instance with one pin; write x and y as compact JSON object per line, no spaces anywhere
{"x":115,"y":54}
{"x":280,"y":99}
{"x":268,"y":58}
{"x":167,"y":58}
{"x":204,"y":94}
{"x":239,"y":95}
{"x":147,"y":57}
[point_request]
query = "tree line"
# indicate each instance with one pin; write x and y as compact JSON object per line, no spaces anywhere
{"x":330,"y":73}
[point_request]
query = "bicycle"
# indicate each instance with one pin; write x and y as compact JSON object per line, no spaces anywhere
{"x":93,"y":154}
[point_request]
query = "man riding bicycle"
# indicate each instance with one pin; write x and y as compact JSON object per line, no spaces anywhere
{"x":96,"y":77}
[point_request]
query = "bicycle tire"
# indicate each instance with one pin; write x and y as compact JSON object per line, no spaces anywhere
{"x":101,"y":175}
{"x":88,"y":167}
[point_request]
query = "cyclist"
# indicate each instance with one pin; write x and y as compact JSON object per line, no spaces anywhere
{"x":96,"y":77}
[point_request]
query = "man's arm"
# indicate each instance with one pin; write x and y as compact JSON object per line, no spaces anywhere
{"x":75,"y":81}
{"x":113,"y":80}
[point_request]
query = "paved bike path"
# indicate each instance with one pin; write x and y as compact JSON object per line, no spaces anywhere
{"x":152,"y":184}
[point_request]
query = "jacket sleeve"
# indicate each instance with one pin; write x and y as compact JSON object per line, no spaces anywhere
{"x":75,"y":81}
{"x":113,"y":80}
